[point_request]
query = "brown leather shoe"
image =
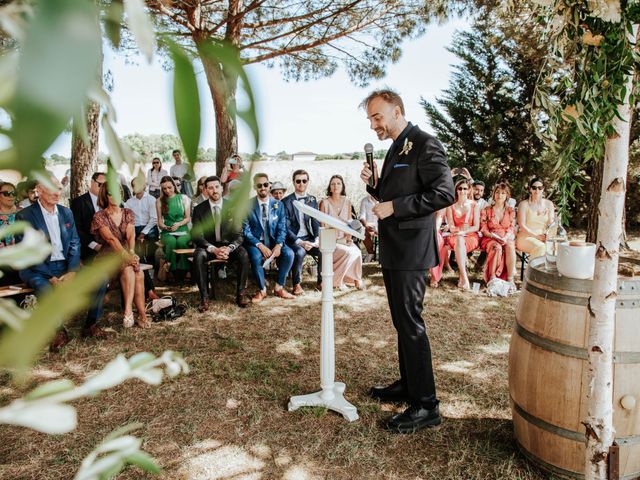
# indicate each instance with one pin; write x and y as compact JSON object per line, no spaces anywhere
{"x":258,"y":297}
{"x":204,"y":306}
{"x":282,"y":293}
{"x":94,"y":332}
{"x":242,"y":301}
{"x":59,"y":341}
{"x":297,"y":290}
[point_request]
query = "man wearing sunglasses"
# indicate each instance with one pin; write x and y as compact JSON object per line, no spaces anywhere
{"x":84,"y":208}
{"x":302,"y":230}
{"x":415,"y":182}
{"x":265,"y":231}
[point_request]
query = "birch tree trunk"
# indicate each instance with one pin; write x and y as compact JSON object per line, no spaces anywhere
{"x":602,"y":304}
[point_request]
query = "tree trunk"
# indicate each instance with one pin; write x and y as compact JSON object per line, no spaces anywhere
{"x":602,"y":304}
{"x":84,"y":157}
{"x":594,"y":203}
{"x":223,"y":86}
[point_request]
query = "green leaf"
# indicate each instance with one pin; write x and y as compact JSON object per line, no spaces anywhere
{"x":113,"y":181}
{"x":119,"y":432}
{"x":63,"y":40}
{"x":186,"y":100}
{"x":141,"y":27}
{"x":18,"y":349}
{"x":113,"y":22}
{"x":118,"y":152}
{"x":11,"y":314}
{"x":144,"y":461}
{"x":50,"y":388}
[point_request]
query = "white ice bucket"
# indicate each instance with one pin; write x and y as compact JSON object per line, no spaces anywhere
{"x":576,"y":259}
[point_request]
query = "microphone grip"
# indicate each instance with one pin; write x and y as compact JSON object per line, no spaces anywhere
{"x":370,"y":163}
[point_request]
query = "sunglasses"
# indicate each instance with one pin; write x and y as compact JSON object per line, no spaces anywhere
{"x":8,"y":194}
{"x":155,"y":163}
{"x":537,"y":187}
{"x":262,"y":185}
{"x":301,"y":180}
{"x":463,"y":189}
{"x":99,"y":183}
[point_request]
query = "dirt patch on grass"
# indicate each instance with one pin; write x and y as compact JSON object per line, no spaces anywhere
{"x":228,"y":418}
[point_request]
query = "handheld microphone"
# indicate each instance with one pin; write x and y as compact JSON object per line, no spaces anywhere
{"x":368,"y":151}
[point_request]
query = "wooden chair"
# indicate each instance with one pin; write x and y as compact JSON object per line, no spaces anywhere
{"x":14,"y":290}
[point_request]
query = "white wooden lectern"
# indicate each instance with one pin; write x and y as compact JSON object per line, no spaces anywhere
{"x":331,"y":394}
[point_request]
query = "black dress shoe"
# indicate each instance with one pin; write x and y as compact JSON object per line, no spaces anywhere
{"x":413,"y":419}
{"x":396,"y":392}
{"x":242,"y":301}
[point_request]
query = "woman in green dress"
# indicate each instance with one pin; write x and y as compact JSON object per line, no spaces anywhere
{"x":174,"y":216}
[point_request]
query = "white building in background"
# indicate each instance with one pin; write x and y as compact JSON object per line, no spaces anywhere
{"x":304,"y":156}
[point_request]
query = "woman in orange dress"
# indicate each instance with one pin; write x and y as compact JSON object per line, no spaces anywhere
{"x":498,"y":225}
{"x":463,"y":218}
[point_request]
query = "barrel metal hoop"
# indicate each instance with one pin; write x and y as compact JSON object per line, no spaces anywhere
{"x":560,"y":472}
{"x":559,"y":431}
{"x":556,"y":297}
{"x":551,"y":345}
{"x":622,"y":358}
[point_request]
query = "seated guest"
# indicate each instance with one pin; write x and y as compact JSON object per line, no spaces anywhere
{"x":57,"y":223}
{"x":370,"y":223}
{"x":277,"y":191}
{"x":498,"y":225}
{"x":143,"y":207}
{"x":443,"y":252}
{"x":216,"y":236}
{"x":302,"y":230}
{"x":201,"y":194}
{"x":84,"y":208}
{"x":154,"y":175}
{"x":535,"y":214}
{"x":173,"y":210}
{"x":8,"y":212}
{"x":29,"y":195}
{"x":463,"y":218}
{"x":478,"y":194}
{"x":265,"y":231}
{"x":230,"y":187}
{"x":114,"y":228}
{"x":232,"y":169}
{"x":347,"y":259}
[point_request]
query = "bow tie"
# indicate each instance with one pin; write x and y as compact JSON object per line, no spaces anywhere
{"x":302,"y":198}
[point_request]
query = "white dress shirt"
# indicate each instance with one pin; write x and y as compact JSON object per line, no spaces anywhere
{"x":366,"y":211}
{"x":53,"y":226}
{"x":303,"y":231}
{"x":144,"y":210}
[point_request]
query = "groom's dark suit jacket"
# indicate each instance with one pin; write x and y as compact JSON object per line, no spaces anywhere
{"x":416,"y":177}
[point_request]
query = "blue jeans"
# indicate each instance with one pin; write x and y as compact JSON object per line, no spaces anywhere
{"x":284,"y":262}
{"x":41,"y":284}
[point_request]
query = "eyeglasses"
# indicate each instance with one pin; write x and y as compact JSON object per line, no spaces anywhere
{"x":537,"y":187}
{"x":301,"y":180}
{"x":8,"y":194}
{"x":99,"y":183}
{"x":463,"y":189}
{"x":262,"y":185}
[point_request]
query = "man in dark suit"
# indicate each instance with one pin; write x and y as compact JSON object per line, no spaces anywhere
{"x":84,"y":208}
{"x":216,"y":236}
{"x":302,"y":231}
{"x":57,"y":223}
{"x":265,"y":231}
{"x":414,"y":183}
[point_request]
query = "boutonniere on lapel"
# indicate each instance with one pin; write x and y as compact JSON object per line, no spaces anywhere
{"x":275,"y":206}
{"x":406,"y":148}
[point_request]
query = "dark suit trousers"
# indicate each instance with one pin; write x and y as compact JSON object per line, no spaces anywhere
{"x":201,"y":269}
{"x":405,"y":292}
{"x":298,"y":259}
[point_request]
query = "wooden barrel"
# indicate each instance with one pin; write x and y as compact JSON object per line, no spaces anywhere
{"x":548,"y":368}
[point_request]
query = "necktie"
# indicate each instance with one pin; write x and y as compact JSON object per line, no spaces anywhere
{"x":265,"y":224}
{"x":216,"y":222}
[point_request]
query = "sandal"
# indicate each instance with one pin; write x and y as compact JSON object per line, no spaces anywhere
{"x":128,"y":321}
{"x":143,"y":322}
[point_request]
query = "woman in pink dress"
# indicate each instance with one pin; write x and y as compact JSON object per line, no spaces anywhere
{"x":498,"y":223}
{"x":463,"y":218}
{"x":347,"y":259}
{"x":436,"y":272}
{"x":114,"y":228}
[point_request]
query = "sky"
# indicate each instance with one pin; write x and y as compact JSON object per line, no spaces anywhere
{"x":321,"y":116}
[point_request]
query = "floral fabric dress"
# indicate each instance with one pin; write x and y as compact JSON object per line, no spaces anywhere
{"x":102,"y":219}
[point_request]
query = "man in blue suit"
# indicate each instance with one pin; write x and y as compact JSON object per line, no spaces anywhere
{"x":58,"y":225}
{"x":302,"y":230}
{"x":264,"y":232}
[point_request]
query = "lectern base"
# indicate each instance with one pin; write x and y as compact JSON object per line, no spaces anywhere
{"x":335,"y":401}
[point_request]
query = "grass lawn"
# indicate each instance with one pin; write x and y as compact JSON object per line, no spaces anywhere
{"x":228,"y":418}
